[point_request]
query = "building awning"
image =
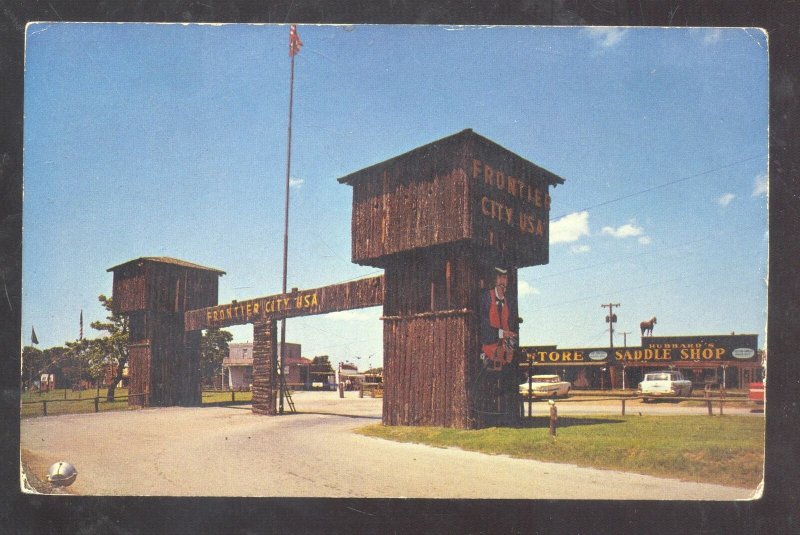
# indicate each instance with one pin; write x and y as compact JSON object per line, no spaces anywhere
{"x":564,"y":364}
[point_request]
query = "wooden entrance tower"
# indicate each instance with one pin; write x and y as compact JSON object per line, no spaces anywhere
{"x":438,"y":220}
{"x":164,"y":359}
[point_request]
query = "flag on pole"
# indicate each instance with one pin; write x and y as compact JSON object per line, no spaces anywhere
{"x":294,"y":41}
{"x":81,"y":337}
{"x":34,"y":340}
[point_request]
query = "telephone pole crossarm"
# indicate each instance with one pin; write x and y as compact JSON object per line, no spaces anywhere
{"x":611,"y":319}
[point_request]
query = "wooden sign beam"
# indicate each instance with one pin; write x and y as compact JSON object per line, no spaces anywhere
{"x":361,"y":293}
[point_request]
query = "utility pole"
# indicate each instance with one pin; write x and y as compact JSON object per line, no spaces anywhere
{"x":625,"y":338}
{"x":611,"y":318}
{"x":625,"y":343}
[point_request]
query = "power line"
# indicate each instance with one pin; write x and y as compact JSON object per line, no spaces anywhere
{"x":595,"y":296}
{"x":659,"y":186}
{"x":622,"y":259}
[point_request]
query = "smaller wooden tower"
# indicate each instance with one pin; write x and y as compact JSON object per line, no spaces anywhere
{"x":164,"y":361}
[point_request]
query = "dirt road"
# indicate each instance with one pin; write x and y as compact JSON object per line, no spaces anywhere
{"x":229,"y":451}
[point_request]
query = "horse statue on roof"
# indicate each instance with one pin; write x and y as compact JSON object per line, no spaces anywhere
{"x":647,"y":326}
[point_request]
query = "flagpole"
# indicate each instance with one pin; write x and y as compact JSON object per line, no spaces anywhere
{"x":282,"y":382}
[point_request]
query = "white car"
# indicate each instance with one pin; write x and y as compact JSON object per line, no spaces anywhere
{"x":664,"y":384}
{"x":545,"y":386}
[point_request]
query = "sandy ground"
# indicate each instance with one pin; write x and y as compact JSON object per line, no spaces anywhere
{"x":229,"y":451}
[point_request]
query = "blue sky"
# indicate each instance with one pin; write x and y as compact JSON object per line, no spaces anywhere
{"x":170,"y":140}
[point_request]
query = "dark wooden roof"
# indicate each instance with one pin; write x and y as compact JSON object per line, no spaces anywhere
{"x":354,"y":177}
{"x":166,"y":260}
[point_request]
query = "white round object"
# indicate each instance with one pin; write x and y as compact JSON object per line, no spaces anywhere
{"x":62,"y":473}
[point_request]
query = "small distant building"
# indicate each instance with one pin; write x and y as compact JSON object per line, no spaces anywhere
{"x":238,"y":366}
{"x":349,"y":374}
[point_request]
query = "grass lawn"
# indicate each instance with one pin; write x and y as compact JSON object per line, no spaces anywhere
{"x":223,"y":397}
{"x":68,"y":402}
{"x":727,"y":450}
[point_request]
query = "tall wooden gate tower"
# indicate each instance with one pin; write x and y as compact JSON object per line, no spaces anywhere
{"x":439,"y":220}
{"x":164,"y":359}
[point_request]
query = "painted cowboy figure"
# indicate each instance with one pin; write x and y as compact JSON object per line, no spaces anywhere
{"x":498,"y":341}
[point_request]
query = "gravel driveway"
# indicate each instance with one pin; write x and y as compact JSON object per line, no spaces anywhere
{"x":229,"y":451}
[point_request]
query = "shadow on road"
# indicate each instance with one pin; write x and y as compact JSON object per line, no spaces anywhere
{"x":366,"y":417}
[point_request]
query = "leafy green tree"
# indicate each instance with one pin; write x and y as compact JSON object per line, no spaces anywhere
{"x":54,"y":357}
{"x":34,"y":362}
{"x":213,"y":349}
{"x":321,"y":364}
{"x":110,"y":350}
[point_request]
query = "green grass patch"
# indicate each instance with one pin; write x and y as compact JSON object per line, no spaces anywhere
{"x":75,"y":402}
{"x":225,"y":397}
{"x":72,"y":402}
{"x":727,"y":450}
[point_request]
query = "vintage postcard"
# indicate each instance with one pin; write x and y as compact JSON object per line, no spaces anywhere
{"x":394,"y":261}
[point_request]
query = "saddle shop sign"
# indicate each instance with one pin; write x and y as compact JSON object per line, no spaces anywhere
{"x":673,"y":349}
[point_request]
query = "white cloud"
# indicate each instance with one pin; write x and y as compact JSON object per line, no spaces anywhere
{"x":761,"y":186}
{"x":606,"y":37}
{"x":523,"y":288}
{"x":295,"y":182}
{"x":645,"y":240}
{"x":712,"y":36}
{"x":578,"y":249}
{"x":725,"y":200}
{"x":569,"y":228}
{"x":351,"y":315}
{"x":627,"y":230}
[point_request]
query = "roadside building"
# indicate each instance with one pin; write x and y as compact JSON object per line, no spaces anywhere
{"x":350,"y":376}
{"x":238,"y":366}
{"x":715,"y":361}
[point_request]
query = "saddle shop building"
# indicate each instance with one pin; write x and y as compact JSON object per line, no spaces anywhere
{"x":731,"y":361}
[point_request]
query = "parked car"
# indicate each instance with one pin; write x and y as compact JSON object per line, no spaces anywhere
{"x":756,"y":393}
{"x":545,"y":386}
{"x":667,"y":383}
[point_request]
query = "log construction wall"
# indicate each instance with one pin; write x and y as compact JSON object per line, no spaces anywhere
{"x":462,"y":188}
{"x":432,"y":371}
{"x":438,"y":219}
{"x":265,"y":357}
{"x":164,"y":359}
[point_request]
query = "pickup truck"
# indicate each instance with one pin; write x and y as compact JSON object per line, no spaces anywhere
{"x":664,"y":384}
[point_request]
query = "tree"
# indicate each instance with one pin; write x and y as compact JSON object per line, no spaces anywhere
{"x":34,"y":361}
{"x":107,"y":351}
{"x":321,"y":364}
{"x":213,"y":349}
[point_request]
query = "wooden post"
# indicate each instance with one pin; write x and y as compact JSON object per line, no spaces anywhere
{"x":553,"y":417}
{"x":233,"y":396}
{"x":708,"y":402}
{"x":361,"y":390}
{"x":341,"y":389}
{"x":97,"y":404}
{"x":530,"y":389}
{"x":623,"y":407}
{"x":264,"y":361}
